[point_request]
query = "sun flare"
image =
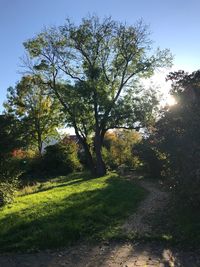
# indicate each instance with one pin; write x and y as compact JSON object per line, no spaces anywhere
{"x":171,"y":101}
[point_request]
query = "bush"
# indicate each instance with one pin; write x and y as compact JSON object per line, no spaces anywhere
{"x":7,"y":191}
{"x":151,"y":159}
{"x":61,"y":158}
{"x":9,"y":174}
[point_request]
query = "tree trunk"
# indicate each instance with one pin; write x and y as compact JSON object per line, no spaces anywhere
{"x":39,"y":143}
{"x":90,"y":161}
{"x":89,"y":158}
{"x":39,"y":136}
{"x":100,"y":165}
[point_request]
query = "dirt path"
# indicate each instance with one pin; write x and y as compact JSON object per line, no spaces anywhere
{"x":140,"y":222}
{"x":105,"y":255}
{"x":115,"y":254}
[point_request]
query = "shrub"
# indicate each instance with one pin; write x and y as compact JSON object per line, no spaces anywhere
{"x":9,"y":174}
{"x":7,"y":191}
{"x":61,"y":158}
{"x":151,"y":159}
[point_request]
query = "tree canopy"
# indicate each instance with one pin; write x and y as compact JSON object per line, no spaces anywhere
{"x":38,"y":112}
{"x":92,"y":69}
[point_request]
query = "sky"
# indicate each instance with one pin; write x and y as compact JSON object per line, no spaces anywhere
{"x":174,"y":24}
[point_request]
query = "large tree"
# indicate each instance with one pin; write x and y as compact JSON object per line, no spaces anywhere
{"x":92,"y":69}
{"x":39,"y":113}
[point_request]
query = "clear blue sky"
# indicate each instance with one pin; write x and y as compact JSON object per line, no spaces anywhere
{"x":174,"y":24}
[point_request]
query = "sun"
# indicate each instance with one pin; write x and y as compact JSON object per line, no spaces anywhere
{"x":171,"y":101}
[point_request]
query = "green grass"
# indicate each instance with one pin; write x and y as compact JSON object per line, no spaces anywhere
{"x":177,"y":225}
{"x":185,"y":225}
{"x":67,"y":209}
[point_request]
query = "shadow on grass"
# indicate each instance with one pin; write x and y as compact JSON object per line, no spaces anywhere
{"x":73,"y":176}
{"x":61,"y":181}
{"x":43,"y":178}
{"x":40,"y":188}
{"x":88,"y":215}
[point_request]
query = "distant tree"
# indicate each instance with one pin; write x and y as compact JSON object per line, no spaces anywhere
{"x":61,"y":158}
{"x":92,"y":70}
{"x":38,"y":113}
{"x":118,"y":148}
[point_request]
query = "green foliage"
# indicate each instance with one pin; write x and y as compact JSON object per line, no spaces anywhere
{"x":67,"y":209}
{"x":9,"y":169}
{"x":8,"y":190}
{"x":118,"y":148}
{"x":151,"y":158}
{"x":10,"y":136}
{"x":61,"y":158}
{"x":58,"y":159}
{"x":9,"y":174}
{"x":38,"y":112}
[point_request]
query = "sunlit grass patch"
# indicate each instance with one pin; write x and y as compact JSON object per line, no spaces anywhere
{"x":66,"y":209}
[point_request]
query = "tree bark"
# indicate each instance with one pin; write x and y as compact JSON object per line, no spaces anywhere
{"x":39,"y":136}
{"x":89,"y":158}
{"x":100,"y":165}
{"x":39,"y":144}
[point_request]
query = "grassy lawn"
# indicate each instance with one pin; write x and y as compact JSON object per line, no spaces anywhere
{"x":67,"y":209}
